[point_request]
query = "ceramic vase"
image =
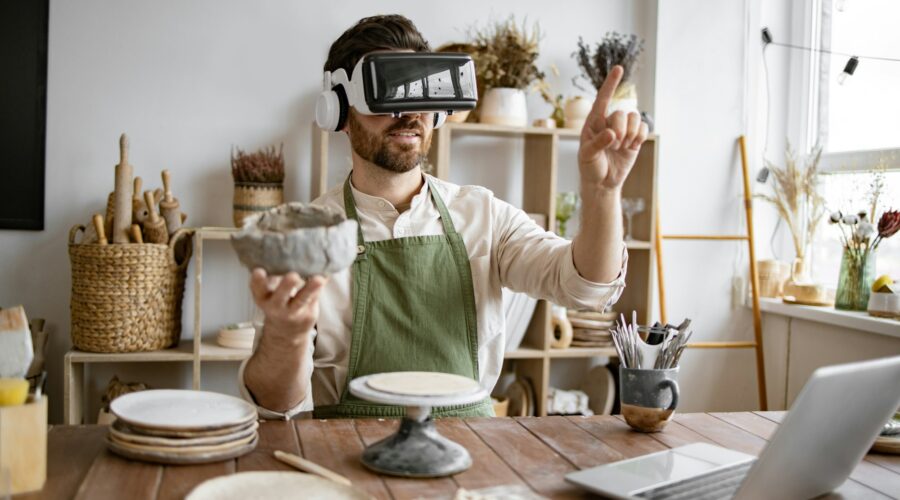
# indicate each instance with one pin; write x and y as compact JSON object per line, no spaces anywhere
{"x":624,"y":100}
{"x":576,"y":111}
{"x":504,"y":106}
{"x":855,"y":281}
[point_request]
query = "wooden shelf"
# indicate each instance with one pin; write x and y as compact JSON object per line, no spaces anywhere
{"x":184,"y":351}
{"x":583,"y":352}
{"x":211,"y":351}
{"x":638,"y":245}
{"x":525,"y":353}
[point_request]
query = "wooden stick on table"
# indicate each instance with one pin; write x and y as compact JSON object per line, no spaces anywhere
{"x":311,"y":467}
{"x":155,"y":226}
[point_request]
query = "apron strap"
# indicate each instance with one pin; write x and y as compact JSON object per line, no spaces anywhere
{"x":350,"y":208}
{"x":449,"y":229}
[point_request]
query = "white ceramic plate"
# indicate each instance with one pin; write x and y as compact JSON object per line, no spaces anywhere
{"x":422,"y":383}
{"x":600,"y":387}
{"x":181,"y":433}
{"x":172,"y":458}
{"x":182,"y":410}
{"x":274,"y":486}
{"x":122,"y":432}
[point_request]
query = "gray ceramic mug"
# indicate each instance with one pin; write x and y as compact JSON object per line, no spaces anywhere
{"x":648,"y":397}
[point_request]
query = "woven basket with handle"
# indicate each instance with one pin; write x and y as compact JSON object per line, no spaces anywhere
{"x":127,"y":297}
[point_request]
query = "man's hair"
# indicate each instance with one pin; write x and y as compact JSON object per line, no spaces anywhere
{"x":390,"y":32}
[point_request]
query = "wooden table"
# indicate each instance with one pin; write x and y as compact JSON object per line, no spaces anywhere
{"x":535,"y":451}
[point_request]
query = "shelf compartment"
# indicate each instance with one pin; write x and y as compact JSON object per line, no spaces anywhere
{"x":583,"y":352}
{"x":183,"y":352}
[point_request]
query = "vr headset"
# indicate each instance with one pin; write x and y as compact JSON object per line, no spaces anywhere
{"x":396,"y":83}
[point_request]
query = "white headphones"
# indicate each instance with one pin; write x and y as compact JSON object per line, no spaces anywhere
{"x":339,"y":93}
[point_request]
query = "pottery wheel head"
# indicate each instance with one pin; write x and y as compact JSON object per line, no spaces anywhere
{"x":306,"y":239}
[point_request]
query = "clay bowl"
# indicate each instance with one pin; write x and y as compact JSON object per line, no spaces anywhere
{"x":306,"y":239}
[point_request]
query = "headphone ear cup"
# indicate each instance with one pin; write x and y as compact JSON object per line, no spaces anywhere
{"x":332,"y":109}
{"x":439,"y":118}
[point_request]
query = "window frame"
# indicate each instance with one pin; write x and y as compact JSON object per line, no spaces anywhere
{"x":809,"y":86}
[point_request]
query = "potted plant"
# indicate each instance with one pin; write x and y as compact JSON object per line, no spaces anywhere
{"x":795,"y":196}
{"x":595,"y":65}
{"x":505,"y":56}
{"x":258,"y":181}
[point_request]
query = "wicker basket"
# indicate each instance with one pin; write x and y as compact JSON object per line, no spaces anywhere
{"x":127,"y":297}
{"x":252,"y":197}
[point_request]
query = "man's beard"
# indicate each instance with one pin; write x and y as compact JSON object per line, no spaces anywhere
{"x":380,"y":150}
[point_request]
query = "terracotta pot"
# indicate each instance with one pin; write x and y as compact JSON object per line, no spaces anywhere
{"x":504,"y":106}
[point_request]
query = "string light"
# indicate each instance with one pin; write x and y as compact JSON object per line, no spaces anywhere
{"x":849,"y":68}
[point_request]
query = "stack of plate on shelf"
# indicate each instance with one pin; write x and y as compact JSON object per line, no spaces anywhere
{"x":182,"y":427}
{"x":591,"y":329}
{"x":237,"y":336}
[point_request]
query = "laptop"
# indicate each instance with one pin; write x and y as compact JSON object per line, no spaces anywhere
{"x":828,"y":430}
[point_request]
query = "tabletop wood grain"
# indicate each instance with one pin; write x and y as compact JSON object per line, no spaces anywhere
{"x":532,"y":451}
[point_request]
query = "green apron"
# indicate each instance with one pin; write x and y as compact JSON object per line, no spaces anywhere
{"x":413,"y":310}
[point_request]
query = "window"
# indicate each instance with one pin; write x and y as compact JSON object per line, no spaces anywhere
{"x":855,"y":122}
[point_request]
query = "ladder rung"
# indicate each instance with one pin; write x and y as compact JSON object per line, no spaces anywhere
{"x":722,"y":345}
{"x":704,"y":237}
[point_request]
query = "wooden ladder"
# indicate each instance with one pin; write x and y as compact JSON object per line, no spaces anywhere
{"x":754,"y":280}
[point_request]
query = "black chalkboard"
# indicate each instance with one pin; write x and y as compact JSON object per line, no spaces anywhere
{"x":23,"y":117}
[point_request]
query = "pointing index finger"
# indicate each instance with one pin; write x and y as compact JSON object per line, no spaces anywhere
{"x":605,"y":94}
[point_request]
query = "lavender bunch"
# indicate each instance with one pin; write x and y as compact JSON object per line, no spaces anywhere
{"x":614,"y":49}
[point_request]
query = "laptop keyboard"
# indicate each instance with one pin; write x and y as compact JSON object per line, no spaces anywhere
{"x":720,"y":484}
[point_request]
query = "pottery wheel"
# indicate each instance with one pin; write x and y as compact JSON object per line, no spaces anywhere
{"x":417,"y":449}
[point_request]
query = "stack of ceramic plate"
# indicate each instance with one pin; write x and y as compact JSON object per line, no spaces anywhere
{"x":591,"y":329}
{"x":237,"y":336}
{"x":182,"y":427}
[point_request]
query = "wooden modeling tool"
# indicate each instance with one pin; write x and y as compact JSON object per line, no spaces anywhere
{"x":110,"y":212}
{"x":124,"y":194}
{"x":101,"y":231}
{"x":154,"y":226}
{"x":169,"y":207}
{"x":136,"y":234}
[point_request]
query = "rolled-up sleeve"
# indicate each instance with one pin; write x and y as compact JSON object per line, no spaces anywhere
{"x":305,"y":405}
{"x":541,"y":263}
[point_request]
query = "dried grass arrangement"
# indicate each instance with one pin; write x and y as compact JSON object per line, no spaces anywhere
{"x":796,"y":198}
{"x":505,"y":54}
{"x":615,"y":48}
{"x":265,"y":166}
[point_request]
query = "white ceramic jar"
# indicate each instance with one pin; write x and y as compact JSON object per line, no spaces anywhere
{"x":576,"y":111}
{"x":504,"y":106}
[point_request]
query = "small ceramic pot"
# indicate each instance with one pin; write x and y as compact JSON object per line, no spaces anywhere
{"x":576,"y":111}
{"x":884,"y":305}
{"x":504,"y":106}
{"x":624,"y":100}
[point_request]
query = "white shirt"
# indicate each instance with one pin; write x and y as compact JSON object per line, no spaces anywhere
{"x":506,"y":248}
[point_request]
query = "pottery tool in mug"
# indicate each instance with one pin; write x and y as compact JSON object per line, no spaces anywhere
{"x":154,"y":226}
{"x":169,"y":207}
{"x":99,"y":229}
{"x":123,"y":194}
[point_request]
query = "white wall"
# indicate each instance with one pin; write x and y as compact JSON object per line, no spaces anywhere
{"x":709,"y":91}
{"x":187,"y":81}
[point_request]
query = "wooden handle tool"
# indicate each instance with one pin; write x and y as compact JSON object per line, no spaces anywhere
{"x":154,"y":226}
{"x":136,"y":234}
{"x":124,"y":194}
{"x":311,"y":467}
{"x":168,"y":207}
{"x":110,"y":212}
{"x":98,"y":227}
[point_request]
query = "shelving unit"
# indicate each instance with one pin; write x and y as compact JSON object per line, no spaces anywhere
{"x":533,"y":358}
{"x":195,"y":351}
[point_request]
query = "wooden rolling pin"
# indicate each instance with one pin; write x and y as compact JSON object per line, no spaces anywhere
{"x":169,"y":207}
{"x":136,"y":234}
{"x":98,"y":227}
{"x":124,"y":194}
{"x":154,"y":226}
